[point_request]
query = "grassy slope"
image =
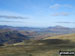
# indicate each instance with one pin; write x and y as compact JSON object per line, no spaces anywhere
{"x":64,"y":37}
{"x":49,"y":49}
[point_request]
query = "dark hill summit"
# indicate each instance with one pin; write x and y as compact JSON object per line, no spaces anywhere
{"x":12,"y":37}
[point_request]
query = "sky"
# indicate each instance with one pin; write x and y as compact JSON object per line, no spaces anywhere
{"x":38,"y":13}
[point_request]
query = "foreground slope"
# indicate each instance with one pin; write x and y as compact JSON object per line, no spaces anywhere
{"x":51,"y":47}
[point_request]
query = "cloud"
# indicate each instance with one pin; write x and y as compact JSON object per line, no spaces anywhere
{"x":55,"y":6}
{"x":61,"y":14}
{"x":55,"y":14}
{"x":58,"y":6}
{"x":12,"y":21}
{"x":68,"y":6}
{"x":12,"y":15}
{"x":64,"y":13}
{"x":66,"y":22}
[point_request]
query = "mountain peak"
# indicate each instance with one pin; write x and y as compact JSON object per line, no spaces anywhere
{"x":58,"y":26}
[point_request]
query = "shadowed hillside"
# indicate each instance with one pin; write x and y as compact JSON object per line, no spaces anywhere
{"x":11,"y":37}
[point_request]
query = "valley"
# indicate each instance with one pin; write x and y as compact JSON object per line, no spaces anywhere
{"x":36,"y":42}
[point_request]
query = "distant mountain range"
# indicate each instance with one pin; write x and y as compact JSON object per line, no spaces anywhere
{"x":41,"y":31}
{"x":19,"y":28}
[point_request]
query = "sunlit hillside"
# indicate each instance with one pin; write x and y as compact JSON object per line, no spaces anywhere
{"x":70,"y":37}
